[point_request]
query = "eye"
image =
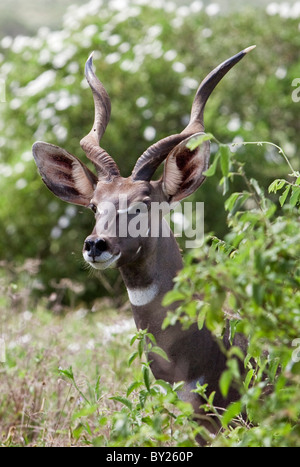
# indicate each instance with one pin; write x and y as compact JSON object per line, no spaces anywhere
{"x":93,"y":207}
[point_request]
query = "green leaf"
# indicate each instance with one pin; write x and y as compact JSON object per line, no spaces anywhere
{"x":232,"y":411}
{"x":295,"y":197}
{"x":123,"y":401}
{"x":235,"y":351}
{"x":141,"y":348}
{"x":146,"y":376}
{"x":68,"y":373}
{"x":193,"y":143}
{"x":230,"y":202}
{"x":225,"y":382}
{"x":178,"y":386}
{"x":201,"y":389}
{"x":256,"y":187}
{"x":97,"y":388}
{"x":277,"y":185}
{"x":202,"y":316}
{"x":76,"y":433}
{"x":236,"y":200}
{"x":132,"y":387}
{"x":211,"y":397}
{"x":164,"y":384}
{"x":225,"y":182}
{"x":248,"y":378}
{"x":212,"y":169}
{"x":172,"y":296}
{"x":132,"y":357}
{"x":133,"y":339}
{"x":151,"y":337}
{"x":258,"y":293}
{"x":159,"y":351}
{"x":85,"y":411}
{"x":283,"y":197}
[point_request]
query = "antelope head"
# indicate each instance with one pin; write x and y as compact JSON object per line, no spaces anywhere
{"x":117,"y":200}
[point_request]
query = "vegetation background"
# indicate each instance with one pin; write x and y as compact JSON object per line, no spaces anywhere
{"x":151,"y":60}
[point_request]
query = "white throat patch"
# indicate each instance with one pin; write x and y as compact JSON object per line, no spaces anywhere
{"x":143,"y":296}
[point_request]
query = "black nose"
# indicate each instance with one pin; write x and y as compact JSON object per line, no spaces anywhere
{"x":94,"y":248}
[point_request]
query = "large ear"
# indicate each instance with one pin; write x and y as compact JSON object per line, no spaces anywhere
{"x":183,"y":172}
{"x":65,"y":175}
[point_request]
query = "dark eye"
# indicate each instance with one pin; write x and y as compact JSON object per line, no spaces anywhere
{"x":93,"y":207}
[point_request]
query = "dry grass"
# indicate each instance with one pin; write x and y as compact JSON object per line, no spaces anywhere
{"x":38,"y":406}
{"x":65,"y":378}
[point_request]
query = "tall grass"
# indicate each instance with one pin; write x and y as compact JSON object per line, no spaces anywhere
{"x":69,"y":377}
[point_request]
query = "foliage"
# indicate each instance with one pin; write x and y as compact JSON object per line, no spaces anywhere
{"x":151,"y":60}
{"x":254,"y":275}
{"x":150,"y":413}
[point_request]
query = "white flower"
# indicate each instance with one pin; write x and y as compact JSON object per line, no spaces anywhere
{"x":42,"y":82}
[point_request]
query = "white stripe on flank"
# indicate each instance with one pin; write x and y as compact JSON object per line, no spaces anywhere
{"x":143,"y":296}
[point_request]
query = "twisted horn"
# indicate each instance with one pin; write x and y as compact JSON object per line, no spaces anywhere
{"x":105,"y":165}
{"x":150,"y":160}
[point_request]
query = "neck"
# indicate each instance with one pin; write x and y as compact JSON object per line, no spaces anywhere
{"x":148,"y":280}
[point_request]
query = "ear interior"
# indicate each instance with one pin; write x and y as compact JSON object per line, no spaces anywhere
{"x":183,"y":172}
{"x":65,"y":175}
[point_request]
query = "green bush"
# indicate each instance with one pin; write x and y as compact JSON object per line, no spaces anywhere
{"x":150,"y":60}
{"x":254,"y":275}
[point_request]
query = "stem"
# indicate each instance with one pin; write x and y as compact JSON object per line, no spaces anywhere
{"x":80,"y":392}
{"x":252,"y":191}
{"x":280,"y":150}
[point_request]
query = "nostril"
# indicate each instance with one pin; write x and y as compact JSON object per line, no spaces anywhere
{"x":88,"y":244}
{"x":101,"y":245}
